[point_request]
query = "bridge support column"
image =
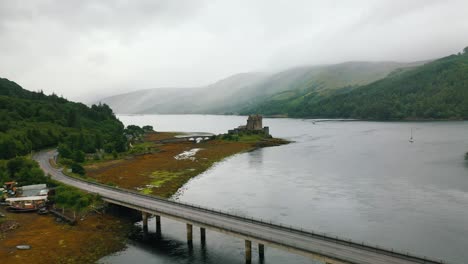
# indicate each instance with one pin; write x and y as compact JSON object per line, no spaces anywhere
{"x":158,"y":224}
{"x":202,"y":235}
{"x":261,"y":251}
{"x":144,"y":217}
{"x":189,"y":233}
{"x":248,"y":251}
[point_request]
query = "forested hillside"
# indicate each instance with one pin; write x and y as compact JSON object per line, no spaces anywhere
{"x":239,"y":91}
{"x":32,"y":121}
{"x":436,"y":90}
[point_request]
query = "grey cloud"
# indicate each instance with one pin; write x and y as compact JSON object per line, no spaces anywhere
{"x":109,"y":13}
{"x":387,"y":12}
{"x":86,"y":48}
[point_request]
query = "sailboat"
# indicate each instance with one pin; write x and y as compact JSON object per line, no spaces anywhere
{"x":411,"y":140}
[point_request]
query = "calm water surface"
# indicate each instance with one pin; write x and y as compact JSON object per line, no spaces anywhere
{"x":360,"y":180}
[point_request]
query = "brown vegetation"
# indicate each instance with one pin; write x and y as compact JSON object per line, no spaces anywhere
{"x":161,"y":173}
{"x":51,"y":242}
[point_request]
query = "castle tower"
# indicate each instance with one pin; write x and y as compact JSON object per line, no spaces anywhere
{"x":254,"y":122}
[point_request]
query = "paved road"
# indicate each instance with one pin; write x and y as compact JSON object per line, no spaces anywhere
{"x":306,"y":243}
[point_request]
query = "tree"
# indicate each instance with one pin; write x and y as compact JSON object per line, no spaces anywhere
{"x":16,"y":164}
{"x":8,"y":148}
{"x":28,"y":176}
{"x":24,"y":171}
{"x":3,"y":175}
{"x":109,"y":147}
{"x":81,"y":141}
{"x":72,"y":198}
{"x":78,"y":156}
{"x":120,"y":143}
{"x":98,"y":143}
{"x":148,"y":128}
{"x":78,"y":169}
{"x":465,"y":50}
{"x":64,"y":151}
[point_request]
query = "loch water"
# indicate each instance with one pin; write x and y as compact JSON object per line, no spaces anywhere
{"x":355,"y":179}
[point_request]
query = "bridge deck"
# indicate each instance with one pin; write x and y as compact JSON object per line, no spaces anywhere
{"x":333,"y":250}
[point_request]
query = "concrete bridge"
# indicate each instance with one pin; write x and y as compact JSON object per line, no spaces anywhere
{"x":330,"y":250}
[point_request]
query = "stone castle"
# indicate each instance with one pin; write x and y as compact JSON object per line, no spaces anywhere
{"x":254,"y":124}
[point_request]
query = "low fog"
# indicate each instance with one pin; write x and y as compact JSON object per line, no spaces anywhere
{"x":85,"y":50}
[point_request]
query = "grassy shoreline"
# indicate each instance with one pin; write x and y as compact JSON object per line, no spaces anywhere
{"x":169,"y":166}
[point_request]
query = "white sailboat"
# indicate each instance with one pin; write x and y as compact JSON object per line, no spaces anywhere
{"x":411,"y":140}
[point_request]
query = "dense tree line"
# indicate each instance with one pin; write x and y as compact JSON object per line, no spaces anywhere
{"x":31,"y":121}
{"x":22,"y":170}
{"x":134,"y":132}
{"x":436,"y":90}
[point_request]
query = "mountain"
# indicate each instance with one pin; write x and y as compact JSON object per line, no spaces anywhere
{"x":244,"y":90}
{"x":32,"y":121}
{"x":435,"y":90}
{"x":219,"y":97}
{"x":184,"y":100}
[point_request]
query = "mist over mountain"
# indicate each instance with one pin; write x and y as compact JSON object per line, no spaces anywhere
{"x":435,"y":90}
{"x":240,"y":91}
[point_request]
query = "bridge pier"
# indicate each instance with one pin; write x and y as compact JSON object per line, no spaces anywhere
{"x":158,"y":224}
{"x":144,"y":217}
{"x":202,"y":235}
{"x":261,"y":251}
{"x":189,"y":233}
{"x":248,"y":251}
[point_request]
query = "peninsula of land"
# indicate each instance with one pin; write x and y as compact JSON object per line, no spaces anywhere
{"x":162,"y":162}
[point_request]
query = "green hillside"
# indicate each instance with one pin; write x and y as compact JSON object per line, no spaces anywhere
{"x":33,"y":121}
{"x":436,"y":90}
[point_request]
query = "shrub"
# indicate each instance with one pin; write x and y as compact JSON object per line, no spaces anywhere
{"x":78,"y":169}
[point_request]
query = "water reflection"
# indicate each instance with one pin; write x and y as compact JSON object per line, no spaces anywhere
{"x":255,"y":158}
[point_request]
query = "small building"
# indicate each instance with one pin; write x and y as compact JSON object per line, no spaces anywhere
{"x":254,"y":124}
{"x":32,"y":190}
{"x":26,"y":204}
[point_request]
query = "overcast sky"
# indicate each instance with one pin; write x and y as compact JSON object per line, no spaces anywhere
{"x":86,"y":49}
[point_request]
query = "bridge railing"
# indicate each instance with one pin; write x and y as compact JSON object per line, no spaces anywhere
{"x":312,"y":233}
{"x":246,"y":233}
{"x":323,"y":236}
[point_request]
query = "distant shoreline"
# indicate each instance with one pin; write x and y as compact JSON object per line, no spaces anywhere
{"x":317,"y":119}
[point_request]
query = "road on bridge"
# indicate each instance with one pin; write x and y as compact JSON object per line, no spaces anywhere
{"x":295,"y":240}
